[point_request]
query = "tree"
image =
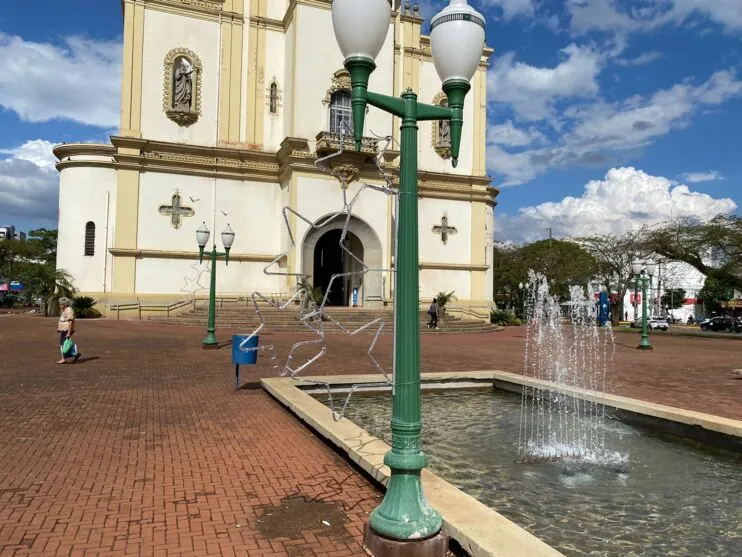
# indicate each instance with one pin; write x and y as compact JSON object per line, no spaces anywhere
{"x":614,"y":256}
{"x":713,"y":247}
{"x":43,"y":244}
{"x":564,"y":263}
{"x":47,"y":283}
{"x":714,"y":292}
{"x":674,"y":298}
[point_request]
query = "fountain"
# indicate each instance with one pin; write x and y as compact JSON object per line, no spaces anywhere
{"x":564,"y":346}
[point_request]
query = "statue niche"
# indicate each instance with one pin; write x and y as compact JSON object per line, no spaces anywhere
{"x":182,"y":86}
{"x":442,"y":130}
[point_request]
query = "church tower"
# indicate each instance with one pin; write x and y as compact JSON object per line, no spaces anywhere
{"x":225,"y":107}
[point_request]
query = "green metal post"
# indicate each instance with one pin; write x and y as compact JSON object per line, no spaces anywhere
{"x":644,"y":345}
{"x":405,"y":514}
{"x":210,"y":340}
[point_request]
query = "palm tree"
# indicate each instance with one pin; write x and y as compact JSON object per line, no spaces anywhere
{"x":47,"y":283}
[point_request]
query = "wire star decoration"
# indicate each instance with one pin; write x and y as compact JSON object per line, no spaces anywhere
{"x":193,"y":279}
{"x":311,"y":313}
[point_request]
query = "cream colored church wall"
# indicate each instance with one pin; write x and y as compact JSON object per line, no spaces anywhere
{"x":433,"y":281}
{"x":167,"y":276}
{"x":289,"y":64}
{"x":430,"y":86}
{"x":251,"y":209}
{"x":317,"y":58}
{"x":273,"y":127}
{"x":86,"y":194}
{"x":162,"y":33}
{"x":318,"y":198}
{"x":458,"y":248}
{"x":276,"y":9}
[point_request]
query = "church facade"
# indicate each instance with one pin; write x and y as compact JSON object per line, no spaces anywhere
{"x":226,"y":106}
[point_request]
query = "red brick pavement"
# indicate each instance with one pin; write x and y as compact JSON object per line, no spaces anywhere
{"x":144,"y":448}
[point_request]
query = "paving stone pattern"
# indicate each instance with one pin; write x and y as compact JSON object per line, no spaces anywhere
{"x":144,"y":447}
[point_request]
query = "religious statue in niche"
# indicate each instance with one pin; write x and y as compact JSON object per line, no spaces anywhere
{"x":182,"y":86}
{"x":442,"y":130}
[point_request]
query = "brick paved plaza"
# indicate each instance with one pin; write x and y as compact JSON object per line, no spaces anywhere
{"x":144,"y":448}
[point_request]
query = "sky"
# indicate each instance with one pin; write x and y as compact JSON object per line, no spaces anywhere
{"x":602,"y":115}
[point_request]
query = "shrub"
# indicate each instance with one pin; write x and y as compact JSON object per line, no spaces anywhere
{"x":443,"y":298}
{"x":504,"y":318}
{"x":81,"y":303}
{"x":83,"y":307}
{"x":89,"y":313}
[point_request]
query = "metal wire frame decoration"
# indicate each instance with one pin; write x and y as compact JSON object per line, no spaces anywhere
{"x":311,"y":314}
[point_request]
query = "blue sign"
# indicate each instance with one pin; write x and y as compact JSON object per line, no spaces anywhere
{"x":355,"y":297}
{"x":15,"y":285}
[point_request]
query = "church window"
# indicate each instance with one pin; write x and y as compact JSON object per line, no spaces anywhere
{"x":273,"y":104}
{"x":341,"y":116}
{"x":90,"y":239}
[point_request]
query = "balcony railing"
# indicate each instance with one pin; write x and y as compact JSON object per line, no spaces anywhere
{"x":329,"y":142}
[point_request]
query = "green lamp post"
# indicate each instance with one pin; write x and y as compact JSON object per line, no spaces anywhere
{"x":457,"y":40}
{"x":643,"y":275}
{"x":202,"y":237}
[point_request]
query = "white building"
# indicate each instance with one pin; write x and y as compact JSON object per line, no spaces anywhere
{"x":226,"y":105}
{"x":669,"y":276}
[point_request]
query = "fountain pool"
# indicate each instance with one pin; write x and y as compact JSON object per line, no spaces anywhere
{"x":660,"y":496}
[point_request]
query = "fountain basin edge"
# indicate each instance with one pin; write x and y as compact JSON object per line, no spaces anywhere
{"x":480,"y":530}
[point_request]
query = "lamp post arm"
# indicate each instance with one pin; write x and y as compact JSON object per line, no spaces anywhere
{"x":433,"y":112}
{"x":392,"y":105}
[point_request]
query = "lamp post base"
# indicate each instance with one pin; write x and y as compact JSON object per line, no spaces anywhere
{"x":379,"y":546}
{"x":645,"y":347}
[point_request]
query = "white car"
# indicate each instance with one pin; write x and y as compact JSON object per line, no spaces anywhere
{"x":653,"y":323}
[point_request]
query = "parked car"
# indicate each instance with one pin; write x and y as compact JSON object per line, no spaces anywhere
{"x":725,"y":324}
{"x":653,"y":323}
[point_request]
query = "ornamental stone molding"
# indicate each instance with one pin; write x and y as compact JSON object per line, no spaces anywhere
{"x":180,"y":111}
{"x":441,"y":147}
{"x":340,"y":82}
{"x":346,"y":174}
{"x":206,"y":5}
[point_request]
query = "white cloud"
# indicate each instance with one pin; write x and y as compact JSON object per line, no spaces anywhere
{"x":642,"y":59}
{"x":599,"y":132}
{"x":80,"y":81}
{"x":532,"y":91}
{"x":606,"y":15}
{"x":29,"y":184}
{"x":508,"y":134}
{"x":626,"y":198}
{"x":695,"y":177}
{"x":513,"y":8}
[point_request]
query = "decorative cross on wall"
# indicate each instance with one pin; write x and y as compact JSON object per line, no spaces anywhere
{"x":176,"y":210}
{"x":444,"y":230}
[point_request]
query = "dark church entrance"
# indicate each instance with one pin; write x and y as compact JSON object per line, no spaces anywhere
{"x":330,"y":259}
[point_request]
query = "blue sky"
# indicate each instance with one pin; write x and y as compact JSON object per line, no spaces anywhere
{"x":602,"y":114}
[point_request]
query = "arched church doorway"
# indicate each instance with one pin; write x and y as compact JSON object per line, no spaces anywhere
{"x":330,"y":259}
{"x":322,"y":257}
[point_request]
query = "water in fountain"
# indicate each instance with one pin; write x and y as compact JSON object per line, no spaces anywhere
{"x":564,"y":346}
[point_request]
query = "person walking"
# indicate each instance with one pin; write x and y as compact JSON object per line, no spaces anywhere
{"x":433,"y":312}
{"x":65,"y":329}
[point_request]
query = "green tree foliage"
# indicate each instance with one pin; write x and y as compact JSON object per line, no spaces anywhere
{"x":613,"y":255}
{"x":714,"y":292}
{"x":33,"y":263}
{"x":674,"y":298}
{"x":563,"y":263}
{"x":47,"y":283}
{"x":713,"y":247}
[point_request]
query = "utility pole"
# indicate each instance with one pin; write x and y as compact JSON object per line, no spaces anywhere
{"x":549,"y":229}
